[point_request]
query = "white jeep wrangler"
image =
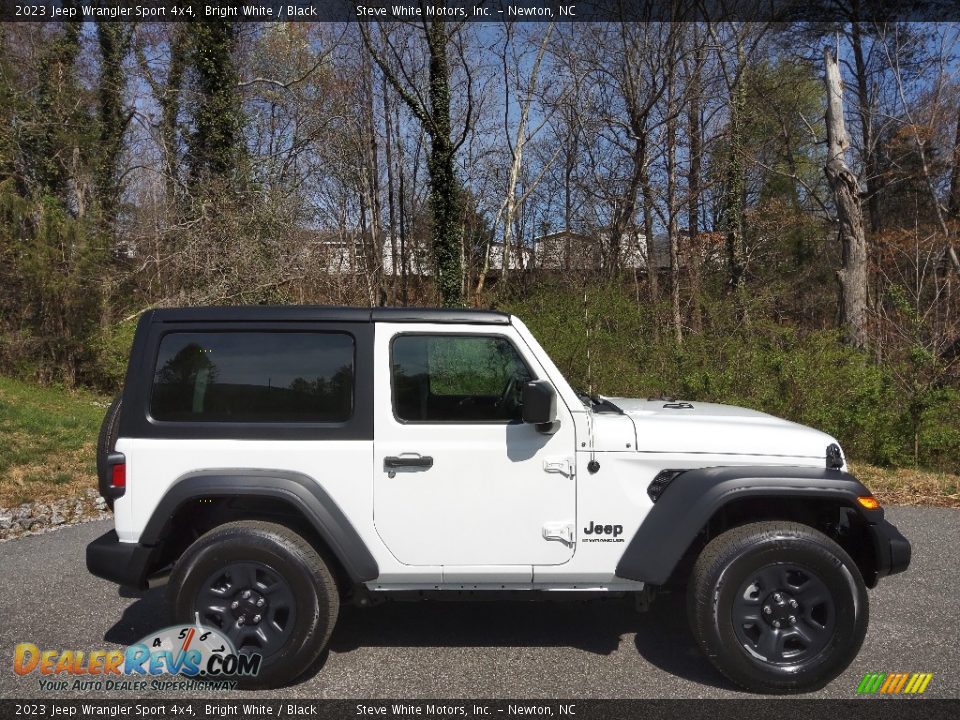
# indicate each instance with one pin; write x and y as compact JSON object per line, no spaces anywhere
{"x":270,"y":463}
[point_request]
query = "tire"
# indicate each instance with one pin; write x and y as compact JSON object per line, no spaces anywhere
{"x":107,"y":440}
{"x":300,"y":599}
{"x":777,"y":607}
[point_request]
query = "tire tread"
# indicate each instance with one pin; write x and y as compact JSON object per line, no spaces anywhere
{"x":708,"y":569}
{"x":292,"y":543}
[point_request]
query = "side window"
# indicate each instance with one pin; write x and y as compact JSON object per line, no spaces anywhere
{"x":258,"y":377}
{"x":457,"y":378}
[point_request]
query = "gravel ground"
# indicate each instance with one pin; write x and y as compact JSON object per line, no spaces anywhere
{"x":33,"y":518}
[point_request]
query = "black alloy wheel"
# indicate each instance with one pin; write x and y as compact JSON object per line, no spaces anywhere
{"x":250,"y":603}
{"x":784,"y":613}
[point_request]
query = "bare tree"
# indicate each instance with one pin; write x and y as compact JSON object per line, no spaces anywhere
{"x":434,"y":112}
{"x":953,"y":207}
{"x":694,"y":72}
{"x":846,"y":191}
{"x":920,"y":135}
{"x":735,"y":195}
{"x":673,"y":234}
{"x":507,"y":212}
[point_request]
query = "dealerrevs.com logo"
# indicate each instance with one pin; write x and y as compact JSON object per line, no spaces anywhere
{"x":203,"y":656}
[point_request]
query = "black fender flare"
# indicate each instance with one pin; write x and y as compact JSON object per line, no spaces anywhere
{"x":296,"y":489}
{"x":693,"y":497}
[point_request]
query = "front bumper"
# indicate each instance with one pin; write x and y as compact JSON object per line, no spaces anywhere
{"x":123,"y":563}
{"x":891,"y":549}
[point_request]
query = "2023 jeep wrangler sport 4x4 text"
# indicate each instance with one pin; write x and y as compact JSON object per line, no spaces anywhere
{"x":271,"y":463}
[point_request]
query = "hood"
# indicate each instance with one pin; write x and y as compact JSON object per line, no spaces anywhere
{"x":670,"y":426}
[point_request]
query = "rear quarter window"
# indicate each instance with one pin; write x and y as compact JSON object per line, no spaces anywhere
{"x":254,"y":377}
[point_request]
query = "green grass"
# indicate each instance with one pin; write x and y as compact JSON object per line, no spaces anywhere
{"x":48,"y":441}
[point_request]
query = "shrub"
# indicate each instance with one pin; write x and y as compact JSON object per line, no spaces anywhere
{"x":808,"y":377}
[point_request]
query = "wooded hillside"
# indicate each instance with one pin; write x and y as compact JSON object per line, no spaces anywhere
{"x":808,"y":268}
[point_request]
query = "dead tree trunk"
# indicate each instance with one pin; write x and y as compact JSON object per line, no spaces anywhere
{"x":867,"y":112}
{"x":846,"y":191}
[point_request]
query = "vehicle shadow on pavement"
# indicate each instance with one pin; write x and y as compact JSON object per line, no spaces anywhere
{"x":596,"y":626}
{"x":665,"y":641}
{"x":148,"y":614}
{"x":662,"y":636}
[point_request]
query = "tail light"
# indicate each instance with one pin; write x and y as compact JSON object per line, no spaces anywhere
{"x":118,"y":477}
{"x":113,"y":482}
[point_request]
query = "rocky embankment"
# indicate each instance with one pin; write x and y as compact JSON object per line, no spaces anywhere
{"x":36,"y":517}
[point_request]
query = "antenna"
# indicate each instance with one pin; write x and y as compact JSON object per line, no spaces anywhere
{"x":586,"y":322}
{"x":593,"y":466}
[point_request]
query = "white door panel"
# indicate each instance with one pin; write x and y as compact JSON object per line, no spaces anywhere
{"x":490,"y":491}
{"x":484,"y":501}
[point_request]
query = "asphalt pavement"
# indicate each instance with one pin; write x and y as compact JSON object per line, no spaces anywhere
{"x":572,"y":649}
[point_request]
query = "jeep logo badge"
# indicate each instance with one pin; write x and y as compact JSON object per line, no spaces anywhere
{"x":598,"y":529}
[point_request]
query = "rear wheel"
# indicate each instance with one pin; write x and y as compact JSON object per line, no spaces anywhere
{"x":777,"y":606}
{"x":265,"y":588}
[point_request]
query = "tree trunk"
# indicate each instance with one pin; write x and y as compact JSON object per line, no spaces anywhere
{"x":402,"y":216}
{"x":509,"y":206}
{"x":216,"y":148}
{"x":736,"y":186}
{"x":672,"y":229}
{"x":653,"y":266}
{"x":375,"y":246}
{"x":114,"y":41}
{"x":391,"y":202}
{"x":169,"y":102}
{"x":846,"y":190}
{"x":653,"y":269}
{"x":954,"y":205}
{"x":444,"y":192}
{"x":865,"y":111}
{"x":693,"y":189}
{"x":611,"y":250}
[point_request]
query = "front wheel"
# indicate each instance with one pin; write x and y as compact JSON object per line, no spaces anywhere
{"x":265,"y":588}
{"x":777,"y":606}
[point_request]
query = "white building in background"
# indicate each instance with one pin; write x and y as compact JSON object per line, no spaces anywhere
{"x":343,"y":255}
{"x":565,"y":250}
{"x":416,"y":256}
{"x":518,"y":258}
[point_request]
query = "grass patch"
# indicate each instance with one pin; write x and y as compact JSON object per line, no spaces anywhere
{"x":48,"y":438}
{"x":910,"y":486}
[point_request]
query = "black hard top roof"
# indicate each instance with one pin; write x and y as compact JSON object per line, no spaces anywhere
{"x":326,"y":313}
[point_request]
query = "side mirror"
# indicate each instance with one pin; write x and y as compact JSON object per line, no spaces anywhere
{"x":540,"y":406}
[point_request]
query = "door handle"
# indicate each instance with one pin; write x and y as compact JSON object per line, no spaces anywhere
{"x":394,"y":462}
